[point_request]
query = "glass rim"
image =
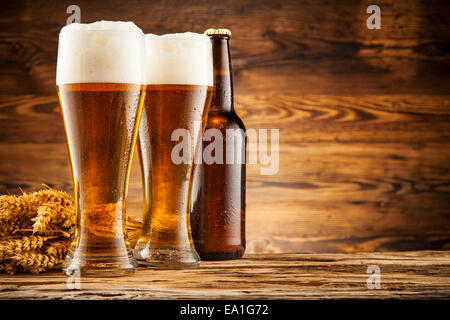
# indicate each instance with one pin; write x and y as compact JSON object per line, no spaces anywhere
{"x":101,"y":30}
{"x":170,"y":36}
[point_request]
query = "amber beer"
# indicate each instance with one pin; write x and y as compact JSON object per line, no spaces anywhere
{"x":179,"y":91}
{"x":100,"y":88}
{"x":218,"y":200}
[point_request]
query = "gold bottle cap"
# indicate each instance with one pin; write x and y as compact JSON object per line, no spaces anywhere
{"x":218,"y":32}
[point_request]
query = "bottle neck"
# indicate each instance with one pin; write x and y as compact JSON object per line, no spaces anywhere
{"x":222,"y":99}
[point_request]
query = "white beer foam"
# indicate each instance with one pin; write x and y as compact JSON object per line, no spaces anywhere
{"x":103,"y":51}
{"x":179,"y":58}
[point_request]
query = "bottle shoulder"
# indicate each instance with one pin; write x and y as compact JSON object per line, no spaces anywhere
{"x":224,"y":120}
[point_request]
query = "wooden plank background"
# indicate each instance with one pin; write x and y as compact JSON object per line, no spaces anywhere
{"x":364,"y":115}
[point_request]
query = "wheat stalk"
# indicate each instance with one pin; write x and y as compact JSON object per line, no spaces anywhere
{"x":35,"y":262}
{"x":25,"y":244}
{"x":36,"y":230}
{"x":58,"y":249}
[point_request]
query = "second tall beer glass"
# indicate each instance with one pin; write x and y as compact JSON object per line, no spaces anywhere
{"x":100,"y":81}
{"x":179,"y":91}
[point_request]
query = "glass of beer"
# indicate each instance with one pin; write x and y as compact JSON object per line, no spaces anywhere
{"x":101,"y":88}
{"x":179,"y":91}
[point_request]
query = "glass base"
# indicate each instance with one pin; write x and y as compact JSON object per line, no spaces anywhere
{"x":95,"y":266}
{"x":166,"y":257}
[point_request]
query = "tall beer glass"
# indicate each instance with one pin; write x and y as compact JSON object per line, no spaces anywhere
{"x":101,"y":87}
{"x":179,"y":91}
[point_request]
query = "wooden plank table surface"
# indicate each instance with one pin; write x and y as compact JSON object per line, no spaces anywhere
{"x":404,"y":275}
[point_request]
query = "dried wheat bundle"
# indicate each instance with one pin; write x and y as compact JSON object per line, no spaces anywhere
{"x":36,"y":229}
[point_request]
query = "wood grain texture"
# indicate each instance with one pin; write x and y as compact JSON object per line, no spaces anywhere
{"x":364,"y":115}
{"x":278,"y":46}
{"x":411,"y":275}
{"x":352,"y":176}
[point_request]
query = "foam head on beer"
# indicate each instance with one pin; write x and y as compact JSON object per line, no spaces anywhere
{"x":179,"y":58}
{"x":101,"y":52}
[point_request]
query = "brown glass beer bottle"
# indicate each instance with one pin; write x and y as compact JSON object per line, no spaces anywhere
{"x":218,"y":193}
